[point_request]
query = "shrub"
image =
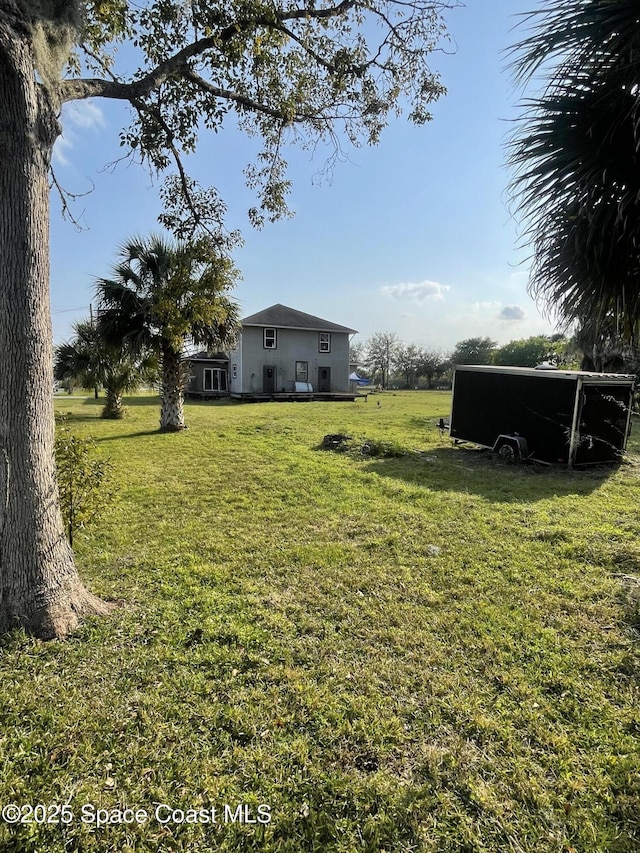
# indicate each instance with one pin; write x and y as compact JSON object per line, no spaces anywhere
{"x":84,"y":482}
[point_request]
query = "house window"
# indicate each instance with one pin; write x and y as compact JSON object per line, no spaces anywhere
{"x":270,"y":339}
{"x":215,"y":379}
{"x":324,"y":342}
{"x":234,"y":371}
{"x":302,"y":371}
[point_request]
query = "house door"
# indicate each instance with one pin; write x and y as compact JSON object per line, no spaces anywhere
{"x":324,"y":379}
{"x":268,"y":379}
{"x":214,"y":379}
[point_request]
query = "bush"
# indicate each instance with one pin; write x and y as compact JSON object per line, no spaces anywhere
{"x":84,"y":482}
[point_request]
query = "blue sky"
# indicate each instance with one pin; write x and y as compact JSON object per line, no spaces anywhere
{"x":413,"y":236}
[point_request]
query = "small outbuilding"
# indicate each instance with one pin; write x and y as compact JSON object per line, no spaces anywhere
{"x":549,"y":415}
{"x":209,"y":375}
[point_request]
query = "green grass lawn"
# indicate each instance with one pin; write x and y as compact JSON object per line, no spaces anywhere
{"x":432,"y":652}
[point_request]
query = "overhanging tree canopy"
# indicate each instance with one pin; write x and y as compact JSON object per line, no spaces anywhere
{"x":576,"y":154}
{"x":290,"y":71}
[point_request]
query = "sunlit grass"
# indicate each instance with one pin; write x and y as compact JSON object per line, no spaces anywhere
{"x":429,"y":652}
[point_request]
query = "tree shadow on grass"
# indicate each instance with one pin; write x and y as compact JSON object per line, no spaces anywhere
{"x":71,"y":417}
{"x":146,"y":400}
{"x":479,"y":472}
{"x":428,"y":421}
{"x":139,"y":434}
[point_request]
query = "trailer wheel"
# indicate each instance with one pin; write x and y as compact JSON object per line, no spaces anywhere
{"x":507,"y":453}
{"x":511,"y":448}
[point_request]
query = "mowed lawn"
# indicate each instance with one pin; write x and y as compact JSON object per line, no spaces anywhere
{"x":430,"y":652}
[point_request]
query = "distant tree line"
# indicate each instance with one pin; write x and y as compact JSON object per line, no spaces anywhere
{"x":524,"y":352}
{"x":390,"y":363}
{"x":387,"y":361}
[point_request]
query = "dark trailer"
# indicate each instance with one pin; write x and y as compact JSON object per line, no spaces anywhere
{"x":549,"y":415}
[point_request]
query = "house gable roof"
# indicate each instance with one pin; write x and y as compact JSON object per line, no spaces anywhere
{"x":281,"y":317}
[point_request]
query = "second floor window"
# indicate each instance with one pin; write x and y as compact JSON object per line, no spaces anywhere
{"x":324,"y":342}
{"x":270,"y":339}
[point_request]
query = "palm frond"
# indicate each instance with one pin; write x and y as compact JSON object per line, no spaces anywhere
{"x":162,"y":294}
{"x":575,"y":33}
{"x":575,"y":156}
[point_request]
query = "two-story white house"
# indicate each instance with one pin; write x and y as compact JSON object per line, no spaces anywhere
{"x":282,"y":351}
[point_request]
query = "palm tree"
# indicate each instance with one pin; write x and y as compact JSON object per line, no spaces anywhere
{"x":604,"y":350}
{"x":576,"y":154}
{"x":163,"y":295}
{"x":92,"y":362}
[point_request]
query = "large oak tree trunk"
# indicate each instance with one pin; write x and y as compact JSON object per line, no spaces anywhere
{"x":172,"y":391}
{"x":39,"y":586}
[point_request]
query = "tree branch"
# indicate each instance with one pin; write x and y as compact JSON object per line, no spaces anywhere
{"x":81,"y":88}
{"x":312,"y":53}
{"x":242,"y":100}
{"x":64,"y":196}
{"x":175,"y":153}
{"x":156,"y":114}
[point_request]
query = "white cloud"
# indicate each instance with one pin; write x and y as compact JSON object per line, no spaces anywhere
{"x":77,"y":117}
{"x":61,"y":149}
{"x":415,"y":291}
{"x":483,"y":307}
{"x":512,"y":312}
{"x":83,"y":114}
